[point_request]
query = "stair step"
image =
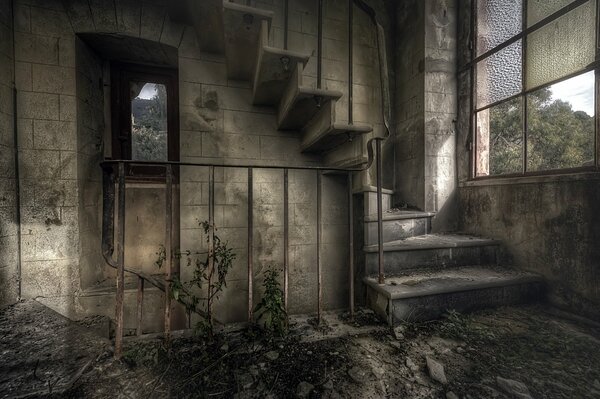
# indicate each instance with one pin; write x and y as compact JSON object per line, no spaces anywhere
{"x":300,"y":104}
{"x":274,"y":68}
{"x":433,"y":251}
{"x":428,"y":295}
{"x":242,"y":26}
{"x":324,"y":134}
{"x":207,"y":18}
{"x":398,"y":225}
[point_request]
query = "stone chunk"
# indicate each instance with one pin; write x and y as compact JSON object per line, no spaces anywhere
{"x":451,"y":395}
{"x":304,"y":389}
{"x":272,"y":355}
{"x":436,"y":370}
{"x":514,"y":388}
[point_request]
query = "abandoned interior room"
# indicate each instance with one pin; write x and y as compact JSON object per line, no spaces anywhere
{"x":299,"y":198}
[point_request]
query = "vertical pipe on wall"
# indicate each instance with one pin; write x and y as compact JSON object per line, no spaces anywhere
{"x":320,"y":45}
{"x":379,"y":213}
{"x":16,"y":156}
{"x":350,"y":61}
{"x":211,"y":235}
{"x":120,"y":264}
{"x":286,"y":256}
{"x":250,"y":243}
{"x":168,"y":249}
{"x":351,"y":243}
{"x":319,"y":271}
{"x":140,"y":302}
{"x":286,"y":23}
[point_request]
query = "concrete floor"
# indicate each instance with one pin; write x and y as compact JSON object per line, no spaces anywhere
{"x":549,"y":354}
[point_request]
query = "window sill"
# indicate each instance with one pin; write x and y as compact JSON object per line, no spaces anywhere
{"x":534,"y":179}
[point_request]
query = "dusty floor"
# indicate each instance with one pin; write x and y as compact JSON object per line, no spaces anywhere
{"x":537,"y":351}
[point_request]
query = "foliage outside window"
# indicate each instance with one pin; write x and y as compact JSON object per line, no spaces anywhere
{"x":534,"y":92}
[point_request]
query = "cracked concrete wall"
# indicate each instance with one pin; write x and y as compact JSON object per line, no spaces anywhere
{"x":8,"y":195}
{"x":550,"y":225}
{"x":61,"y":127}
{"x":426,"y":108}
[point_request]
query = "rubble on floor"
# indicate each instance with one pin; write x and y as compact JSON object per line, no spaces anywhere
{"x":513,"y":352}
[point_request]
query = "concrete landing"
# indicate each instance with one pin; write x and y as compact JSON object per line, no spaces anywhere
{"x":428,"y":295}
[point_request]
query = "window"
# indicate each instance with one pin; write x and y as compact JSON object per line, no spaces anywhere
{"x":145,"y":117}
{"x":535,"y":77}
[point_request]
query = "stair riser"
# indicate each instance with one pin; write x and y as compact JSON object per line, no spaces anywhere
{"x":433,"y":307}
{"x":370,"y":207}
{"x":402,"y":261}
{"x":397,"y":229}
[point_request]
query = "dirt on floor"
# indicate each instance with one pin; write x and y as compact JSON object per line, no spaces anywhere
{"x":516,"y":352}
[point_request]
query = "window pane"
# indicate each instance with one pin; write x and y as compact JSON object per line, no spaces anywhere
{"x":561,"y":125}
{"x":497,"y":21}
{"x":540,"y":9}
{"x":148,"y":121}
{"x":562,"y":47}
{"x":500,"y":139}
{"x":499,"y":75}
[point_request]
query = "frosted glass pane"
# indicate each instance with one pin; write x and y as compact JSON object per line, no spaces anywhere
{"x":560,"y":130}
{"x":499,"y":75}
{"x":540,"y":9}
{"x":500,"y":139}
{"x":497,"y":21}
{"x":562,"y":47}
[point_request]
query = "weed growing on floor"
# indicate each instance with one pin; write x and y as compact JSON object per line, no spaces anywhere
{"x":270,"y":311}
{"x":210,"y":273}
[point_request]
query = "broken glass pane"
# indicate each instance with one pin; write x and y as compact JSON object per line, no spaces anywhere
{"x":540,"y":9}
{"x":499,"y":75}
{"x":497,"y":21}
{"x":561,"y":130}
{"x":148,"y":121}
{"x":562,"y":47}
{"x":500,"y":139}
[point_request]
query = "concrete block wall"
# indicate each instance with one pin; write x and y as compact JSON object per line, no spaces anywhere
{"x":426,"y":108}
{"x":8,"y":195}
{"x":62,"y":136}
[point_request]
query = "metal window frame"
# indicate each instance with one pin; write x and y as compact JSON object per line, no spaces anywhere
{"x":523,"y":35}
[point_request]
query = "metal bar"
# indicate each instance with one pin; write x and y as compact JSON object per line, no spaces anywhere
{"x":527,"y":31}
{"x":286,"y":256}
{"x":250,"y":243}
{"x":140,"y":301}
{"x":350,"y":61}
{"x":379,"y":213}
{"x":319,"y":272}
{"x":286,"y":23}
{"x":168,"y":249}
{"x":320,"y":46}
{"x":121,"y":264}
{"x":351,"y":243}
{"x":17,"y":192}
{"x":524,"y":87}
{"x":211,"y":235}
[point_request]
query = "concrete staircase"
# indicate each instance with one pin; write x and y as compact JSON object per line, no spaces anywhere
{"x":428,"y":274}
{"x":241,"y":33}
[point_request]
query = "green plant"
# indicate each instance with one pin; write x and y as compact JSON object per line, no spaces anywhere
{"x":270,"y":311}
{"x":210,"y":273}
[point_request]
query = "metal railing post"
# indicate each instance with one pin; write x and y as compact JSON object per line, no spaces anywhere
{"x":250,"y":244}
{"x":351,"y":243}
{"x":319,"y":271}
{"x":286,"y":233}
{"x":168,"y":249}
{"x":120,"y":264}
{"x":379,"y":212}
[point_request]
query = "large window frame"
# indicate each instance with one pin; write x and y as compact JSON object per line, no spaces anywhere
{"x":522,"y":36}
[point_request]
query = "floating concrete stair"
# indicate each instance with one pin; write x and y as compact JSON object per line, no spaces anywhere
{"x":433,"y":251}
{"x":274,"y":68}
{"x":300,"y":104}
{"x":324,"y":134}
{"x":427,"y":295}
{"x":398,"y":225}
{"x":242,"y":29}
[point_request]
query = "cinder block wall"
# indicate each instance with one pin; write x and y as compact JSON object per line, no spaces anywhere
{"x":61,"y":125}
{"x":8,"y":196}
